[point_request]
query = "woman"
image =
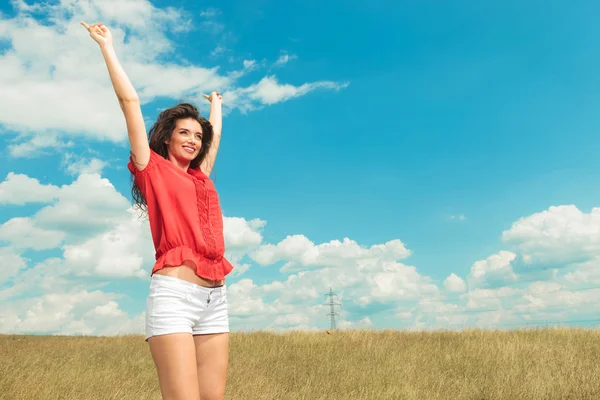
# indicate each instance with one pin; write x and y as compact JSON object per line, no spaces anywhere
{"x":187,"y":324}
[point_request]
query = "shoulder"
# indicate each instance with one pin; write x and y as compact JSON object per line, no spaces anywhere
{"x":154,"y":161}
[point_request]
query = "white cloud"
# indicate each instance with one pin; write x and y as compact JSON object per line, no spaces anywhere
{"x":124,"y":251}
{"x":285,"y":58}
{"x":496,"y":268}
{"x":106,"y":319}
{"x":453,"y":283}
{"x":269,"y":91}
{"x":366,"y":279}
{"x":22,"y":234}
{"x":587,"y":272}
{"x":175,"y":80}
{"x":103,"y":239}
{"x":89,"y":205}
{"x":562,"y":233}
{"x":242,"y":235}
{"x":232,"y":98}
{"x":212,"y":27}
{"x":218,"y":51}
{"x":394,"y":282}
{"x":360,"y":324}
{"x":489,"y":298}
{"x":46,"y":57}
{"x":20,"y":189}
{"x":359,"y":274}
{"x":240,"y":268}
{"x":210,"y":12}
{"x":102,"y":235}
{"x":11,"y":263}
{"x":49,"y":276}
{"x":300,"y":253}
{"x":35,"y":146}
{"x":245,"y":300}
{"x":77,"y":312}
{"x":82,"y":166}
{"x":291,"y":320}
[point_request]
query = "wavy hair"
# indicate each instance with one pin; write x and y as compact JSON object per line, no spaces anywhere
{"x":162,"y":130}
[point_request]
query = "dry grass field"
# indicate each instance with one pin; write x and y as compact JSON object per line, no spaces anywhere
{"x":475,"y":365}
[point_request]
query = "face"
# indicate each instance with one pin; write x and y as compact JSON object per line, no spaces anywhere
{"x":186,"y":140}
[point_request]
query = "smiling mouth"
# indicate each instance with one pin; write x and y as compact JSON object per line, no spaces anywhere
{"x":189,"y":149}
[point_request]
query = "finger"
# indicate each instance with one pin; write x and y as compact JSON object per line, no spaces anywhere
{"x":86,"y":26}
{"x":206,"y":97}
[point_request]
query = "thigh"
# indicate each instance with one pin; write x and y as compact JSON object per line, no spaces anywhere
{"x":212,"y":357}
{"x":175,"y":358}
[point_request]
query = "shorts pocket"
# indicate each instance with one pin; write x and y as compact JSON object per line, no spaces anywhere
{"x":166,"y":303}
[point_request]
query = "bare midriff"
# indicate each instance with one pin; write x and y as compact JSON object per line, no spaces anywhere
{"x":187,"y":273}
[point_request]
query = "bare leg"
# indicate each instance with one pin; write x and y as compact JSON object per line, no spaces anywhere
{"x":175,"y":359}
{"x":212,"y":357}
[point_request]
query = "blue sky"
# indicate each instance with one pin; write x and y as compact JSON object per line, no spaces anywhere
{"x":464,"y":134}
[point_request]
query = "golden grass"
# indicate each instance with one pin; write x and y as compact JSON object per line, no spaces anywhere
{"x":474,"y":365}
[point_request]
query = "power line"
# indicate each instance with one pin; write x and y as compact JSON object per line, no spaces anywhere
{"x":563,"y":321}
{"x":473,"y":294}
{"x":519,"y":311}
{"x":520,"y":324}
{"x":492,"y":298}
{"x":332,"y":314}
{"x":514,"y":285}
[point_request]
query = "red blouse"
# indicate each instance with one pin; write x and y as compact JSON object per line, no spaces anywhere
{"x":185,"y":217}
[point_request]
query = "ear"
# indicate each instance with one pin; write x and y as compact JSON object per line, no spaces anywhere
{"x":167,"y":141}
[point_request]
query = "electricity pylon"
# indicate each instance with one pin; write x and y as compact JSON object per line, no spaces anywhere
{"x":332,"y":314}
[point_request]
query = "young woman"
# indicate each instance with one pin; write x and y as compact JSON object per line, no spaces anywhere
{"x":187,"y":323}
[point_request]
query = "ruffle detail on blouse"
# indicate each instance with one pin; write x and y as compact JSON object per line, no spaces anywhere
{"x":206,"y":268}
{"x":204,"y":211}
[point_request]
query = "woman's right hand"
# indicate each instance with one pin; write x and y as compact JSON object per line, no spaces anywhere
{"x":99,"y":33}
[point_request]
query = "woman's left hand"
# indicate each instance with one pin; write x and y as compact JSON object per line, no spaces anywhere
{"x":213,"y":96}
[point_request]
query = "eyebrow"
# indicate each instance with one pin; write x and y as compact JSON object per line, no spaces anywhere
{"x":187,"y":130}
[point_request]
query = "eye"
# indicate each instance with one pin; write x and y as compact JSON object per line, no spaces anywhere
{"x":199,"y":137}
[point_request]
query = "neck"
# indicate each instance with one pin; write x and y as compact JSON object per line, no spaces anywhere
{"x":181,"y":164}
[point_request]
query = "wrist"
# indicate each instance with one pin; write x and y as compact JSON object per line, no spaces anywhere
{"x":105,"y":46}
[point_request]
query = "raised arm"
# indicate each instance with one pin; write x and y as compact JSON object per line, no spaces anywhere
{"x":216,"y":120}
{"x":128,"y":98}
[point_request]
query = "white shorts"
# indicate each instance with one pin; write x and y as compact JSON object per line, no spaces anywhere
{"x":176,"y":306}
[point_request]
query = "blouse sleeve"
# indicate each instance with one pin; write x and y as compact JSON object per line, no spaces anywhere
{"x":152,"y":162}
{"x":141,"y":176}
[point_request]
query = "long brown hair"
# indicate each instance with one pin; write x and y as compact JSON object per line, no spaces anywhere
{"x":162,"y":130}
